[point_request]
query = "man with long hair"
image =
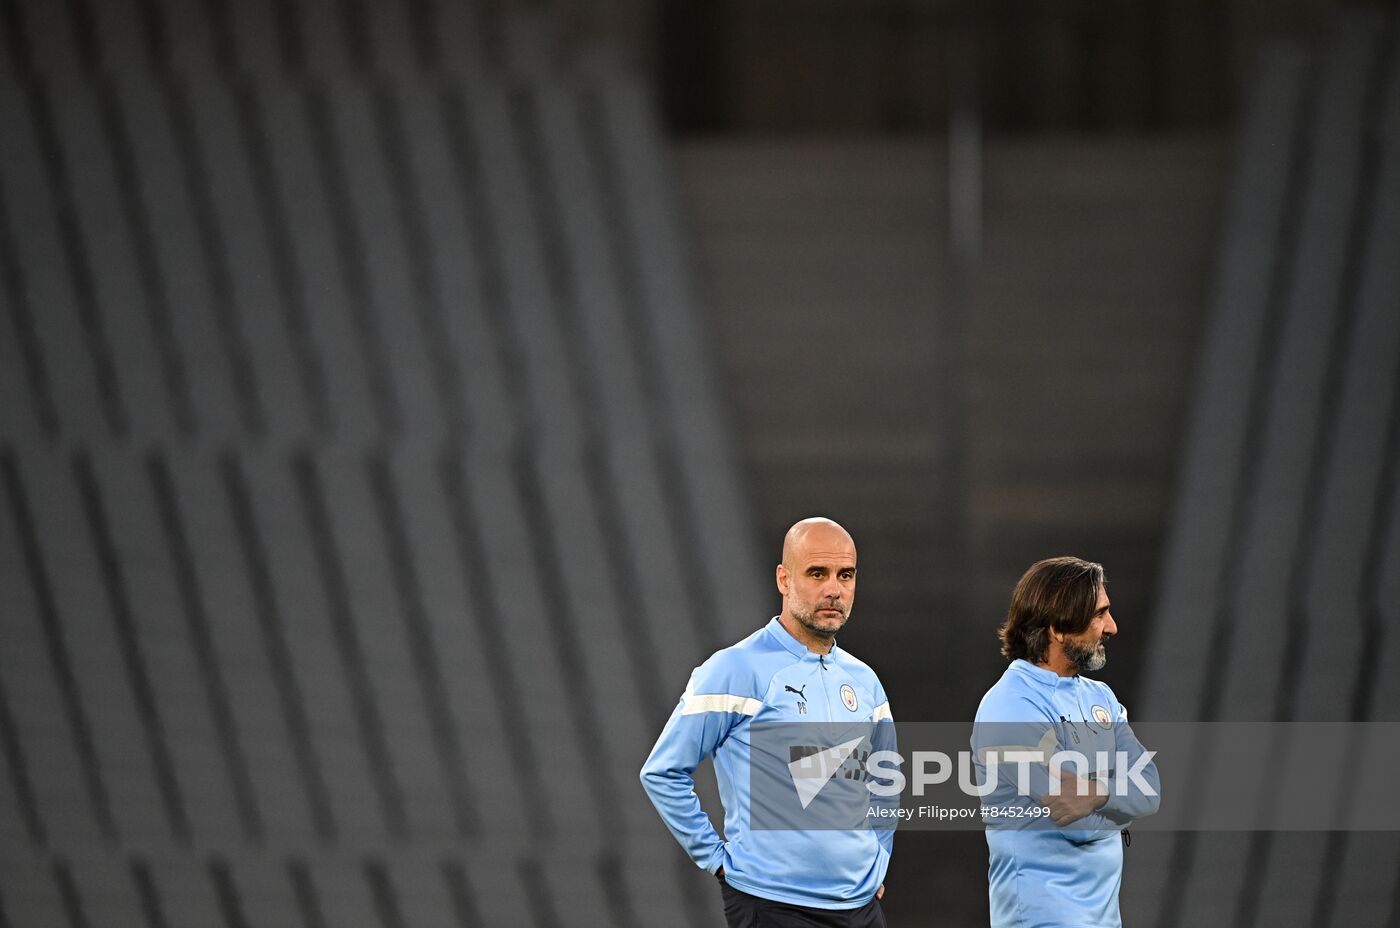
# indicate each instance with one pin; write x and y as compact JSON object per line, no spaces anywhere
{"x":1053,"y":835}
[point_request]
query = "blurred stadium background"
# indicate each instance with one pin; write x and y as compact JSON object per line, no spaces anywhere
{"x":399,"y":397}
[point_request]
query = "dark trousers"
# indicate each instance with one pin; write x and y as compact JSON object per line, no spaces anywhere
{"x":742,"y":910}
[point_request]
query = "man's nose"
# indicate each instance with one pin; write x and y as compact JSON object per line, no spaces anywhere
{"x":1109,"y":626}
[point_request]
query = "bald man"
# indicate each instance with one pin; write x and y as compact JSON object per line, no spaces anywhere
{"x":789,"y":671}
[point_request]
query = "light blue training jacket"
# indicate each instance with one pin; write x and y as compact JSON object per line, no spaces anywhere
{"x":769,"y":677}
{"x":1040,"y":875}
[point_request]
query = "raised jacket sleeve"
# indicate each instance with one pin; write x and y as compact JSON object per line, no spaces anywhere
{"x":1127,"y":799}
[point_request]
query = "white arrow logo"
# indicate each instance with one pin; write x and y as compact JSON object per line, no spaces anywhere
{"x":811,"y":773}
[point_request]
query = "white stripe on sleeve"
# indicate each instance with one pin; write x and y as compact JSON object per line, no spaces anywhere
{"x":719,"y":702}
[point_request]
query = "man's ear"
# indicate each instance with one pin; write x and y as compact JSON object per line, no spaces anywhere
{"x":782,"y":578}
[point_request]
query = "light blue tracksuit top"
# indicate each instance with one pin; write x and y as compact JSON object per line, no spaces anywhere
{"x":1042,"y":876}
{"x":757,"y":681}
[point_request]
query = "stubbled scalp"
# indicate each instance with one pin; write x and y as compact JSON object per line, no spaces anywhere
{"x":822,"y":530}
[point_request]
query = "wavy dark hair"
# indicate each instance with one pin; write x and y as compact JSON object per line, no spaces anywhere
{"x":1059,"y":593}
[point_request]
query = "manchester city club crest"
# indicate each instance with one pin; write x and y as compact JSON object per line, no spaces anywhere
{"x":848,"y":696}
{"x":1102,"y":717}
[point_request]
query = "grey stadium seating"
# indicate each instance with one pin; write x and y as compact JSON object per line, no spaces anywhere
{"x":366,"y":497}
{"x":1272,"y":604}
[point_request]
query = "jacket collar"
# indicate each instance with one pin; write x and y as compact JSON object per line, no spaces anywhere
{"x":1042,"y":676}
{"x":795,"y":647}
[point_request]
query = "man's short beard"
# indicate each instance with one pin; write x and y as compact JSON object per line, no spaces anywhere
{"x":808,"y":621}
{"x":1084,"y":658}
